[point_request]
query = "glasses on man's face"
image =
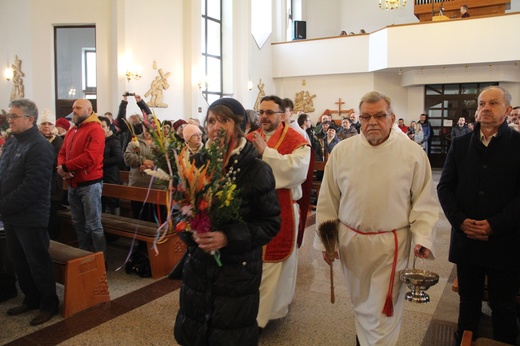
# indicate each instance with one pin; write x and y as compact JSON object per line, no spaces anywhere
{"x":365,"y":118}
{"x":269,"y":112}
{"x":16,"y":116}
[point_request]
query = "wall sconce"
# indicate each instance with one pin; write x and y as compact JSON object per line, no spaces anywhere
{"x":250,"y":85}
{"x":8,"y":73}
{"x":72,"y":92}
{"x":204,"y":82}
{"x":134,"y":73}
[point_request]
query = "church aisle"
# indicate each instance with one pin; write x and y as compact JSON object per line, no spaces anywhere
{"x":142,"y":311}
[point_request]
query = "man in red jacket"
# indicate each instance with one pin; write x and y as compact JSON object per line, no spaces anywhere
{"x":80,"y":161}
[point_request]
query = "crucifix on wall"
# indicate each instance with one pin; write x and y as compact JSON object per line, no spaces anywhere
{"x":340,"y":112}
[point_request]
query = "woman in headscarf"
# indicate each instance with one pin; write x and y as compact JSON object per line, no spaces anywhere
{"x":219,"y":304}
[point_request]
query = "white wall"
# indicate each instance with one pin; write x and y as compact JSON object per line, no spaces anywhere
{"x":154,"y":31}
{"x":168,"y":31}
{"x":15,"y":40}
{"x":452,"y":43}
{"x":324,"y":19}
{"x":31,"y":37}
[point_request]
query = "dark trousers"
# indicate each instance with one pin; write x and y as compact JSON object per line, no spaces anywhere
{"x":502,"y":289}
{"x":29,"y":252}
{"x":54,"y":221}
{"x":148,"y":211}
{"x":7,"y":275}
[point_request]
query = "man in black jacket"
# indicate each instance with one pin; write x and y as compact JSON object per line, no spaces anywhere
{"x":25,"y":189}
{"x":460,"y":129}
{"x":479,"y":191}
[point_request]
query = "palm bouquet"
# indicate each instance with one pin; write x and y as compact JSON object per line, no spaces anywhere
{"x":202,"y":193}
{"x":4,"y":124}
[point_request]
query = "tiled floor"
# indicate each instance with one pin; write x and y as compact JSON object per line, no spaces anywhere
{"x":142,"y":311}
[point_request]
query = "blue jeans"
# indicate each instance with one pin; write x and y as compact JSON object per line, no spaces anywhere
{"x":85,"y":207}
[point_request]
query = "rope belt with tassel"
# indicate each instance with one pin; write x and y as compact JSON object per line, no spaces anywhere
{"x":388,"y":309}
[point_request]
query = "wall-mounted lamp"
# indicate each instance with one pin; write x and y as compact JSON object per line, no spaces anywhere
{"x":204,"y":82}
{"x":8,"y":73}
{"x":72,"y":92}
{"x":134,"y":73}
{"x":250,"y":85}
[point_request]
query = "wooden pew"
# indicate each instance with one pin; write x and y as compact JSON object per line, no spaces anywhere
{"x":171,"y":248}
{"x":83,"y":275}
{"x":124,"y":177}
{"x":319,"y":166}
{"x":466,"y":338}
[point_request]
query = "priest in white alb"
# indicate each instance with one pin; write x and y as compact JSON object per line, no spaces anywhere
{"x":379,"y":186}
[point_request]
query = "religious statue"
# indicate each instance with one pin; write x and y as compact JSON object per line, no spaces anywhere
{"x":261,"y":94}
{"x":159,"y":84}
{"x":18,"y":91}
{"x":303,"y":102}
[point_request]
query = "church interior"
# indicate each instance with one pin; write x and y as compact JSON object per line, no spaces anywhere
{"x":421,"y":54}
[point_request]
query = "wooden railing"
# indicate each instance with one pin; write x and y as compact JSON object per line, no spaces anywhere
{"x":424,"y":9}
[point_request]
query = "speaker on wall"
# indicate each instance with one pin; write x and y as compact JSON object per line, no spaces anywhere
{"x":300,"y":30}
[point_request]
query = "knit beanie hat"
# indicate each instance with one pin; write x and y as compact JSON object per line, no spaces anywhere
{"x":64,"y":123}
{"x":47,"y":116}
{"x":235,"y":106}
{"x":178,"y":124}
{"x":189,"y":130}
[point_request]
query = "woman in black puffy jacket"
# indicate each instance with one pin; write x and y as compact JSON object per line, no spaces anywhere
{"x":112,"y":158}
{"x":219,"y":305}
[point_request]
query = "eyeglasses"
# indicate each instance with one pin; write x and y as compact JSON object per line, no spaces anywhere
{"x":268,"y":112}
{"x":16,"y":116}
{"x":365,"y":118}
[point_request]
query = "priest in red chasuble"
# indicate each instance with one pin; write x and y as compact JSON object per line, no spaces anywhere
{"x":289,"y":155}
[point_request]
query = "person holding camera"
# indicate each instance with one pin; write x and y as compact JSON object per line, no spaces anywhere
{"x":132,"y":126}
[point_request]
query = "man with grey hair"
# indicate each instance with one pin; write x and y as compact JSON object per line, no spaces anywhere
{"x":25,"y":190}
{"x":378,"y":187}
{"x":80,"y":162}
{"x":479,"y":191}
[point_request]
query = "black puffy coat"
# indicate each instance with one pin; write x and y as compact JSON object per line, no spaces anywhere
{"x":219,"y":305}
{"x":112,"y":158}
{"x":25,"y":179}
{"x":57,"y":181}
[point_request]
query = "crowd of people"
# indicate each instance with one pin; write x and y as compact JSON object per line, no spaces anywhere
{"x":270,"y":154}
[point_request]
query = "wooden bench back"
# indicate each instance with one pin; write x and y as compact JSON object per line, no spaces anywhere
{"x":319,"y":165}
{"x":124,"y":177}
{"x":131,"y":193}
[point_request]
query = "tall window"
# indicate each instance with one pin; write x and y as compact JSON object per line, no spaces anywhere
{"x":212,"y":86}
{"x":445,"y":104}
{"x":74,"y":66}
{"x":89,"y":72}
{"x":289,"y":22}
